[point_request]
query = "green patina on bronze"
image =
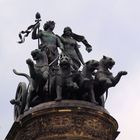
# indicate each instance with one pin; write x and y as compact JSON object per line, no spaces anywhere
{"x":62,"y":101}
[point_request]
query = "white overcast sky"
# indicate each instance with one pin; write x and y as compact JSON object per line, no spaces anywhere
{"x":111,"y":26}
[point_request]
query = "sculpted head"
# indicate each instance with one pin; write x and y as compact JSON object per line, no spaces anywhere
{"x":36,"y":54}
{"x":64,"y":61}
{"x":67,"y":31}
{"x":49,"y":25}
{"x":92,"y":65}
{"x":107,"y":62}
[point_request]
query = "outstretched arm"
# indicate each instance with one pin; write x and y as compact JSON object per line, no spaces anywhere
{"x":82,"y":39}
{"x":88,"y":46}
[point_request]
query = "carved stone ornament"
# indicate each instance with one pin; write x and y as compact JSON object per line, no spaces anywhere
{"x":65,"y":120}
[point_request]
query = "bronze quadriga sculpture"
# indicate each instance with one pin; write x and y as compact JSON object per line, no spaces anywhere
{"x":62,"y":102}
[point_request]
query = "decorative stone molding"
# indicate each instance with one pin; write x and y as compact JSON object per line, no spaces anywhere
{"x":65,"y":120}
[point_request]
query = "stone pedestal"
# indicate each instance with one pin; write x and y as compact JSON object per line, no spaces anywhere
{"x":65,"y":120}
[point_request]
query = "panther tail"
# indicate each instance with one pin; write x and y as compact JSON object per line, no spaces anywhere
{"x":23,"y":74}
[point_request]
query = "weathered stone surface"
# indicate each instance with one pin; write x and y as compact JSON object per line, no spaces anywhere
{"x":65,"y":120}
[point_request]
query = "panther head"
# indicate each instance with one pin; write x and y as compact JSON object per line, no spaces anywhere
{"x":92,"y":65}
{"x":64,"y":61}
{"x":36,"y":54}
{"x":107,"y":62}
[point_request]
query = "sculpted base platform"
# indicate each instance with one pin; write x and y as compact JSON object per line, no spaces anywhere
{"x":65,"y":120}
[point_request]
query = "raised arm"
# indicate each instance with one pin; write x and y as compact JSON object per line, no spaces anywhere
{"x":36,"y":32}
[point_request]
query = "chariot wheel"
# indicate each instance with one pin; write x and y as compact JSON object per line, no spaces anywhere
{"x":20,"y":98}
